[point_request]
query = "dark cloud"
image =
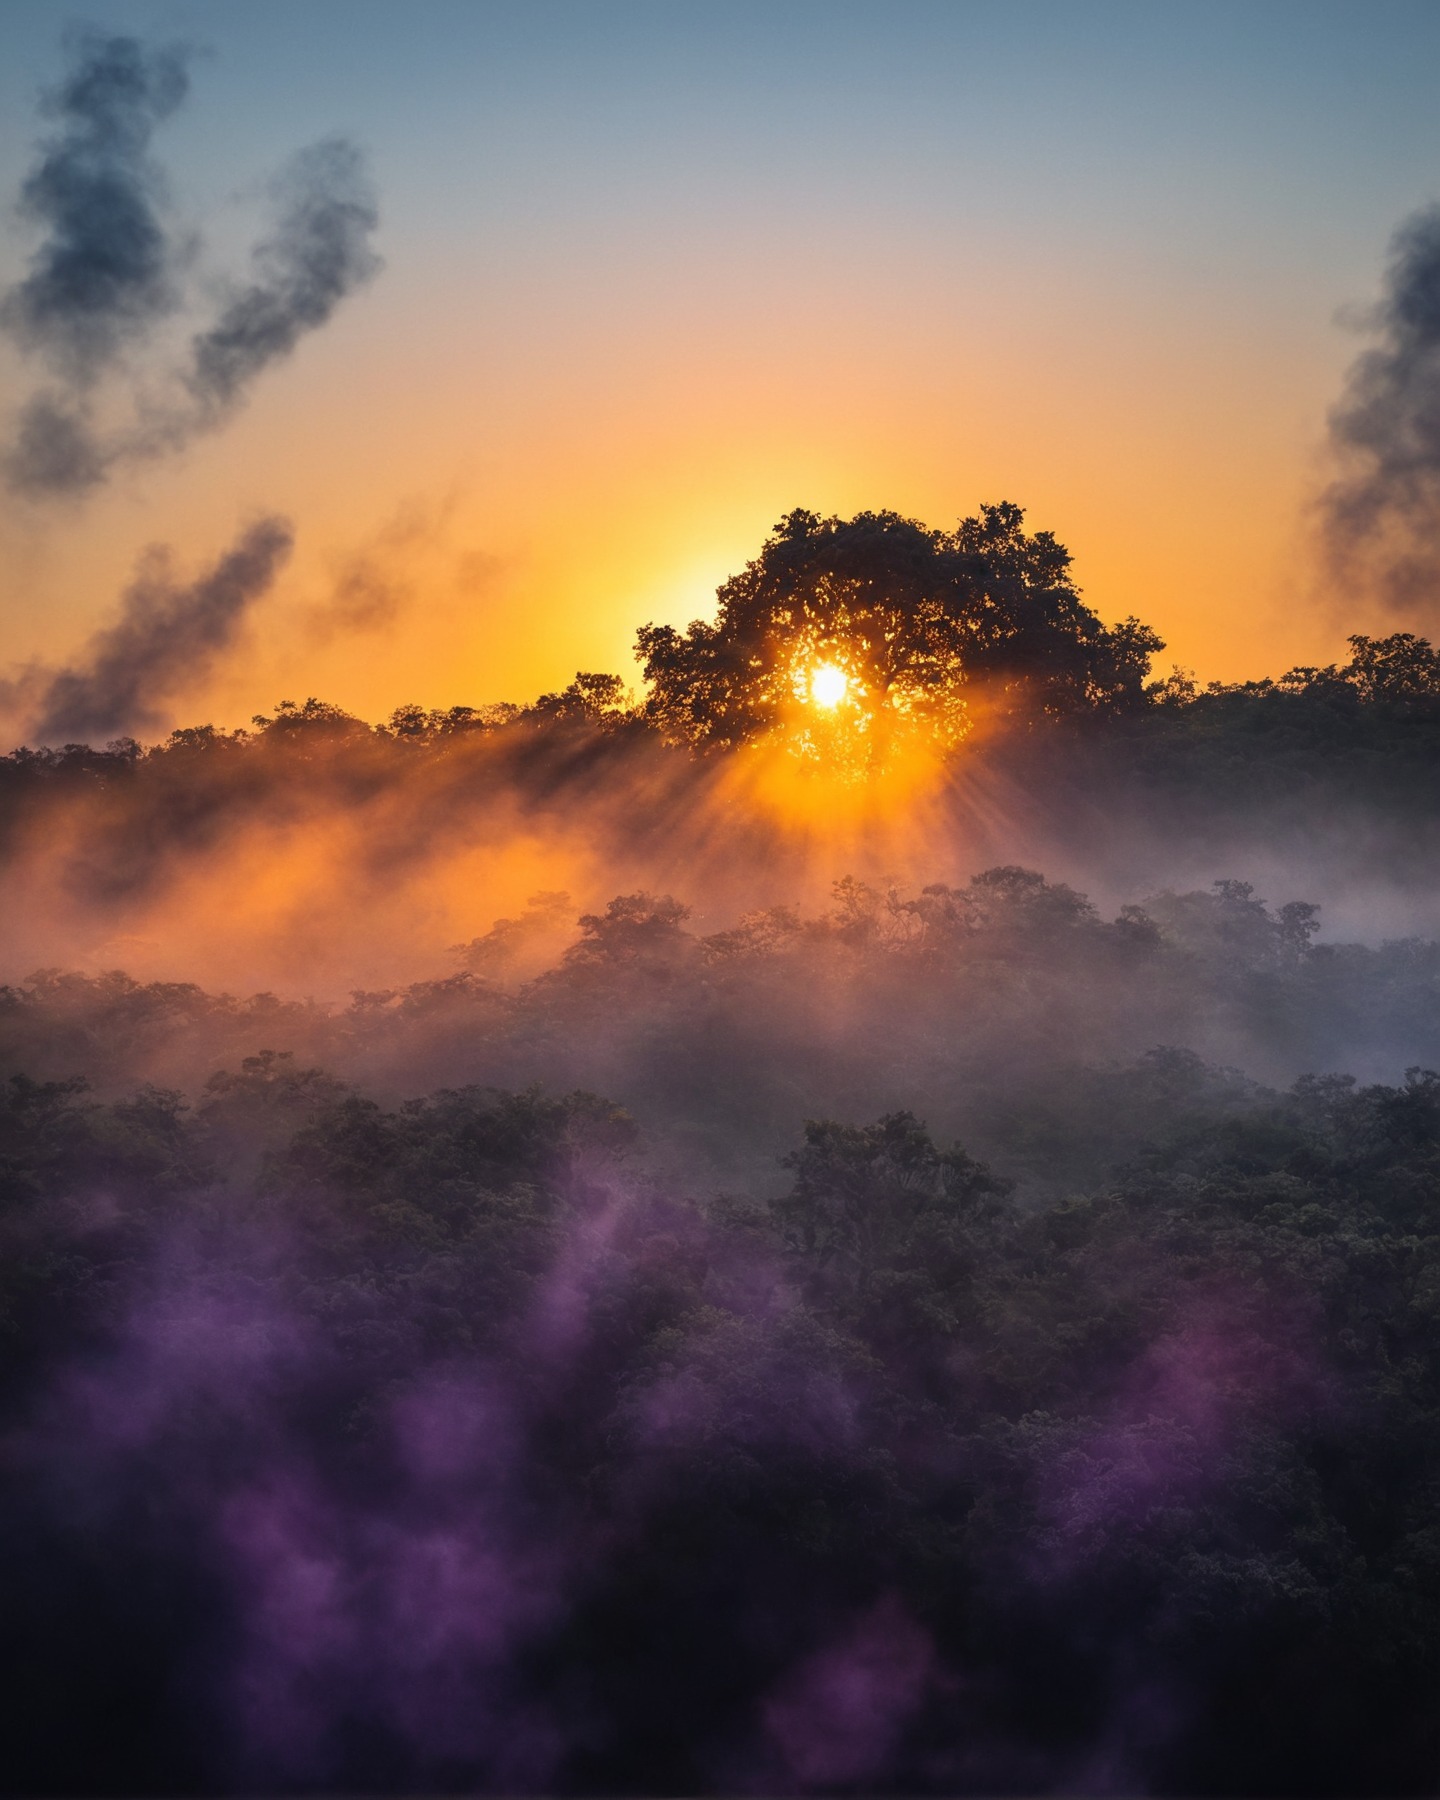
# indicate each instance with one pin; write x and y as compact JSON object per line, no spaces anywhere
{"x":106,"y":270}
{"x":1382,"y":515}
{"x":56,"y":449}
{"x":167,"y":634}
{"x":318,"y":252}
{"x":109,"y":272}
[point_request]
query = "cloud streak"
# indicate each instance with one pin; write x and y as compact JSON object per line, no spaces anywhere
{"x":106,"y":271}
{"x":318,"y":252}
{"x":166,"y":635}
{"x":1381,"y":516}
{"x":108,"y":274}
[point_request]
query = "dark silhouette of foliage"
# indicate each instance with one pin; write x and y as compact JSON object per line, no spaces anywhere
{"x":930,"y":627}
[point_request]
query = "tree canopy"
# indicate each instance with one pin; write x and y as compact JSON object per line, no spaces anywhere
{"x":859,"y":630}
{"x":665,"y":1475}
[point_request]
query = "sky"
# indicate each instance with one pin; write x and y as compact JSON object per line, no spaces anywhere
{"x":654,"y":275}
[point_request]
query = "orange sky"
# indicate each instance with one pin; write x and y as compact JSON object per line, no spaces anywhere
{"x":535,"y":517}
{"x":584,"y":388}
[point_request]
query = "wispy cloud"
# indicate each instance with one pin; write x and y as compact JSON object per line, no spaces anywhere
{"x":110,"y":270}
{"x":168,"y":633}
{"x":1381,"y":516}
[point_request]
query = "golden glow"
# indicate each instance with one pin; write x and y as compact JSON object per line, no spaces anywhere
{"x":828,"y":685}
{"x":829,"y":795}
{"x":584,"y":522}
{"x":597,"y":489}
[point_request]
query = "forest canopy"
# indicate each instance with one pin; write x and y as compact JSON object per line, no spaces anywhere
{"x":456,"y":1442}
{"x":756,"y":1325}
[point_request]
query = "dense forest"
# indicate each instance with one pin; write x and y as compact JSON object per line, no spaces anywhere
{"x":746,"y":1321}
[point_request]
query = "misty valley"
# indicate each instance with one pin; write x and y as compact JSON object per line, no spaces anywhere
{"x":852,"y":1208}
{"x":840,"y":1287}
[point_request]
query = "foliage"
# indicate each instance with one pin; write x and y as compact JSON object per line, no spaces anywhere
{"x":1174,"y":1436}
{"x":930,"y":628}
{"x":938,"y":1369}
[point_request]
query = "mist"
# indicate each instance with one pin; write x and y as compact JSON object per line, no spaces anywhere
{"x":543,"y":1258}
{"x":857,"y":1219}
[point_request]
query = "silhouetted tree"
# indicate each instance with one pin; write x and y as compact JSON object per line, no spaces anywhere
{"x":927,"y":627}
{"x":589,"y":700}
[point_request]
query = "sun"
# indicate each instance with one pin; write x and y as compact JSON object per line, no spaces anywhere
{"x":828,"y":685}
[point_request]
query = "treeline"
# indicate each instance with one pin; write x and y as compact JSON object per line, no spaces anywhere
{"x":436,"y":1447}
{"x":975,"y":640}
{"x":1364,"y":730}
{"x":993,"y":1007}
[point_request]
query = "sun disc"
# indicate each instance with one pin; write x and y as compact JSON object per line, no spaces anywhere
{"x":828,"y":685}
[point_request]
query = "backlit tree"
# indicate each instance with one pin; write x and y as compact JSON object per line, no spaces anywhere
{"x":844,"y":635}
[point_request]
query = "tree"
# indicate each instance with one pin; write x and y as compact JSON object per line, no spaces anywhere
{"x":845,"y":633}
{"x":589,"y":700}
{"x":886,"y":1218}
{"x":1402,"y":670}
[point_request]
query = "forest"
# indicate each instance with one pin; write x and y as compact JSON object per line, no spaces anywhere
{"x":927,"y":1284}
